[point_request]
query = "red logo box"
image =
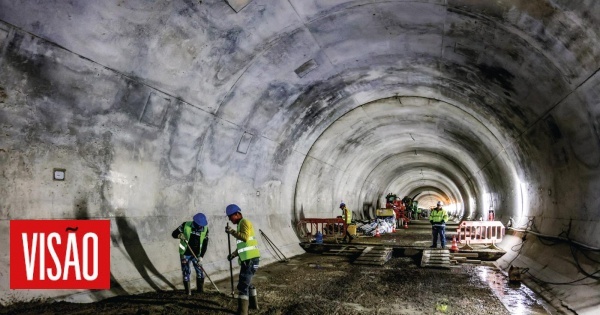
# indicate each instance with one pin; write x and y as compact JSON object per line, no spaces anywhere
{"x":60,"y":254}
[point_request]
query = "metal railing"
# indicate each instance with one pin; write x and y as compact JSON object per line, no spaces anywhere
{"x":329,"y":227}
{"x":480,"y":232}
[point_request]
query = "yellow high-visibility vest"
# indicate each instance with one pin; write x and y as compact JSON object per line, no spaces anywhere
{"x":249,"y":249}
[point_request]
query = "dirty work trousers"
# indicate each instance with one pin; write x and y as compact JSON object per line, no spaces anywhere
{"x":439,"y":230}
{"x":248,"y":269}
{"x":185,"y":267}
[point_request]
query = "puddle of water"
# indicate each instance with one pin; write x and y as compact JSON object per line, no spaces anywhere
{"x":517,"y":298}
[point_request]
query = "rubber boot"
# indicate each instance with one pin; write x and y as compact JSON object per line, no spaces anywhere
{"x":186,"y":287}
{"x":200,"y":285}
{"x":253,"y":299}
{"x":242,"y":305}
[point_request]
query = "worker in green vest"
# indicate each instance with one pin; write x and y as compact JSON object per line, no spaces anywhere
{"x":438,"y":218}
{"x":248,"y":253}
{"x":193,"y":241}
{"x":347,"y":217}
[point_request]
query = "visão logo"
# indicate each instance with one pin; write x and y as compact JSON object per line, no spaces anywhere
{"x":60,"y":254}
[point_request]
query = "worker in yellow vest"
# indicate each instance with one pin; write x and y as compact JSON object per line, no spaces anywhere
{"x":347,"y":217}
{"x":438,"y":218}
{"x":248,"y":253}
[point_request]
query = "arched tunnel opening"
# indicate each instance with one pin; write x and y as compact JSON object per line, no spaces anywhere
{"x":408,"y":145}
{"x":143,"y":114}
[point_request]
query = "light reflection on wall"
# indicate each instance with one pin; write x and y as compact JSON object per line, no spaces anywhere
{"x":454,"y":209}
{"x":472,"y":204}
{"x":520,"y":219}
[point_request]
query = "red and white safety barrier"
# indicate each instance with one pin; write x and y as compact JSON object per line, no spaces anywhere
{"x":480,"y":232}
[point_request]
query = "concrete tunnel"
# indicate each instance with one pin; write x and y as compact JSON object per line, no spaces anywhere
{"x":158,"y":110}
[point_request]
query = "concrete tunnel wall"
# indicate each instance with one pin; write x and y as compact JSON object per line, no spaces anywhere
{"x":159,"y":110}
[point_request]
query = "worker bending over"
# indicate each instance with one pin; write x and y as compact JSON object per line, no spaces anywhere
{"x":193,"y":241}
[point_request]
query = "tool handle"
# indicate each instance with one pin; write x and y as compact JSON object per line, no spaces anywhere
{"x":206,"y":273}
{"x":230,"y":263}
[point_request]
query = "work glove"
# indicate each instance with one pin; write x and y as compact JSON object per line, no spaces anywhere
{"x":181,"y":237}
{"x":231,"y":256}
{"x":199,"y":260}
{"x":229,"y":230}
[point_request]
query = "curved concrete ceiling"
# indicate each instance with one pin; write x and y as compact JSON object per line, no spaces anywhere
{"x":160,"y":110}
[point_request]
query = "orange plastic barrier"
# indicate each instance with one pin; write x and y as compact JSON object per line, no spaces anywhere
{"x":480,"y":232}
{"x":327,"y":226}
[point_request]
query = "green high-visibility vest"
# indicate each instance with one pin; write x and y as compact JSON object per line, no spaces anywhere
{"x":249,"y":249}
{"x":437,"y":216}
{"x":187,"y":231}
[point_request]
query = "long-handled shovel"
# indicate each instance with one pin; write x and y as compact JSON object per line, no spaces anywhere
{"x":206,"y":273}
{"x":230,"y":263}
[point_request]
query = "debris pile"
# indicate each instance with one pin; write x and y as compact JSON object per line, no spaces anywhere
{"x":381,"y":225}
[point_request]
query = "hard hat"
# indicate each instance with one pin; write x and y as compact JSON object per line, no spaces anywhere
{"x":342,"y":205}
{"x":200,"y":219}
{"x":439,"y":203}
{"x":232,"y":209}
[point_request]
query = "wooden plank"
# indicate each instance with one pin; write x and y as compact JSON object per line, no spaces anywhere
{"x":466,"y":255}
{"x":374,"y":256}
{"x":436,"y":255}
{"x":436,"y":258}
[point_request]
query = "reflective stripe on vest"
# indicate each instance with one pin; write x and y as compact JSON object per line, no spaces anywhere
{"x":248,"y":249}
{"x":187,"y":231}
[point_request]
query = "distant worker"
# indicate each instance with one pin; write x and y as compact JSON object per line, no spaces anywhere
{"x":397,"y":216}
{"x":438,"y":218}
{"x":408,"y":210}
{"x":193,"y":241}
{"x":347,"y":217}
{"x":248,"y":253}
{"x":400,"y":211}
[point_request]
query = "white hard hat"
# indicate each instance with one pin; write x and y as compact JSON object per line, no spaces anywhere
{"x":439,"y":203}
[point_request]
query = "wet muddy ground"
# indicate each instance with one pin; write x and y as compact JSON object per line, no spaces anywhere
{"x":316,"y":284}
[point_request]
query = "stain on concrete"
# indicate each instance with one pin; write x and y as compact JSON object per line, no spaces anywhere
{"x":80,"y":207}
{"x":555,"y":133}
{"x":498,"y":75}
{"x":539,"y":9}
{"x":3,"y":95}
{"x":188,"y":130}
{"x":33,"y":66}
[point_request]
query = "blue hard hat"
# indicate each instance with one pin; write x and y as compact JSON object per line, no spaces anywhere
{"x":200,"y":219}
{"x":342,"y":205}
{"x":231,"y":209}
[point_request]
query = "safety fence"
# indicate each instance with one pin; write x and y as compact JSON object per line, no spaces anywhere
{"x":329,"y":227}
{"x":480,"y":232}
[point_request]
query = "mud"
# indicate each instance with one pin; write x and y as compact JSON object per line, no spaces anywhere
{"x":315,"y":284}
